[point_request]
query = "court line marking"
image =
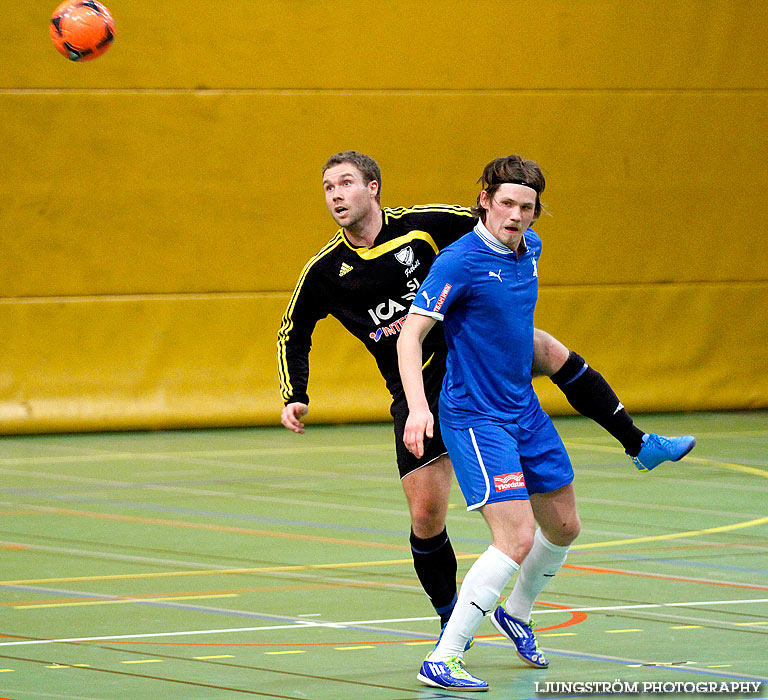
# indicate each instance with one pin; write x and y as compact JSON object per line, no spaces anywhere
{"x":665,"y":577}
{"x":365,"y":646}
{"x":675,"y":535}
{"x":214,"y":656}
{"x":123,"y":505}
{"x":244,"y":452}
{"x":750,"y":623}
{"x":214,"y":528}
{"x":371,"y":447}
{"x":300,"y":624}
{"x":578,"y":443}
{"x":121,"y":601}
{"x":729,"y":465}
{"x":624,"y":661}
{"x":305,"y":567}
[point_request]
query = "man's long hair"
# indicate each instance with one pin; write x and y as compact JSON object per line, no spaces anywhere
{"x":514,"y":170}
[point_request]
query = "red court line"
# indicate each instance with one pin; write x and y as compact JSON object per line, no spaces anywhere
{"x":577,"y":616}
{"x":683,"y":579}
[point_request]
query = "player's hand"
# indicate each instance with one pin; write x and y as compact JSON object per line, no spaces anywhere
{"x":419,"y":423}
{"x":292,"y":415}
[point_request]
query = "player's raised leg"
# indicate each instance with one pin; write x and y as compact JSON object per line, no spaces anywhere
{"x":591,"y":395}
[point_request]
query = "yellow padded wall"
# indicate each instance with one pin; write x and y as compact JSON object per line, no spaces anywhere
{"x":158,"y":203}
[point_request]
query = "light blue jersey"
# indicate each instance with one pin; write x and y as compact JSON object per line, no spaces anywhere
{"x":485,"y":294}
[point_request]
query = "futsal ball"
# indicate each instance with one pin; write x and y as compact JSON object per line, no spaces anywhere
{"x":82,"y":30}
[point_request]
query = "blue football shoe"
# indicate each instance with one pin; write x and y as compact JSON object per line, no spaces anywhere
{"x":657,"y":449}
{"x":521,"y":635}
{"x":450,"y":675}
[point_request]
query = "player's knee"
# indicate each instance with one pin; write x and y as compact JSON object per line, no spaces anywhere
{"x":427,"y":520}
{"x":549,"y":354}
{"x":523,"y":546}
{"x":516,"y":545}
{"x":565,"y":532}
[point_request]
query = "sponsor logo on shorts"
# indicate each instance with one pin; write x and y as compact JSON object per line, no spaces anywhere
{"x":441,"y":298}
{"x":505,"y":482}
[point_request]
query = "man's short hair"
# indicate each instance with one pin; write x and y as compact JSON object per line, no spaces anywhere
{"x":514,"y":170}
{"x":367,"y":166}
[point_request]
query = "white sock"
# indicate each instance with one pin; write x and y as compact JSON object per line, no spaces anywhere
{"x":478,"y":596}
{"x":539,"y":566}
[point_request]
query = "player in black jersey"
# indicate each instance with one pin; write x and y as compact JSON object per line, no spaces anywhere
{"x":366,"y":276}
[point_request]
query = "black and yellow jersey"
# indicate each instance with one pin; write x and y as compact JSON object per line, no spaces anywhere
{"x":369,"y":290}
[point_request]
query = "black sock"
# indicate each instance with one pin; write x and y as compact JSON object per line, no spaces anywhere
{"x":435,"y":564}
{"x":589,"y":393}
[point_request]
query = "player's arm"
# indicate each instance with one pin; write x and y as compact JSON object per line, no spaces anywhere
{"x":294,"y":341}
{"x":292,"y":414}
{"x":409,"y":355}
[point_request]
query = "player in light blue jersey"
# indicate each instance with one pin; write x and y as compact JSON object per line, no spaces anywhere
{"x":508,"y":458}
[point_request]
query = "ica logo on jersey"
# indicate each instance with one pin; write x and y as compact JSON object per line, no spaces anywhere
{"x":385,"y":311}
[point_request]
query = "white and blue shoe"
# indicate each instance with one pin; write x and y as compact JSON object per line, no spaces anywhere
{"x":450,"y":675}
{"x":657,"y":449}
{"x":521,"y":635}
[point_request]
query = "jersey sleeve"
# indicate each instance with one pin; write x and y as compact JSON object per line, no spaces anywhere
{"x":446,"y":283}
{"x":294,"y":338}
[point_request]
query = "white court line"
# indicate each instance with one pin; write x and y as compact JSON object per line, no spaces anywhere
{"x":298,"y":624}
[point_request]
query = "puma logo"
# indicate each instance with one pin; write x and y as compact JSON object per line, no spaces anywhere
{"x":485,"y":612}
{"x":497,"y":275}
{"x":426,"y":296}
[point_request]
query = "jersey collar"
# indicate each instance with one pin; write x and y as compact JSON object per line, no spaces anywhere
{"x":494,"y":243}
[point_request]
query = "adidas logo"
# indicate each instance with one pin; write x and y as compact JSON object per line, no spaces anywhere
{"x":344,"y":269}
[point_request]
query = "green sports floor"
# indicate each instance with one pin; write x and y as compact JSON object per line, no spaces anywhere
{"x":216,"y":564}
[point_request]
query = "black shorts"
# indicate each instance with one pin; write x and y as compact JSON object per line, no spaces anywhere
{"x":433,"y":447}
